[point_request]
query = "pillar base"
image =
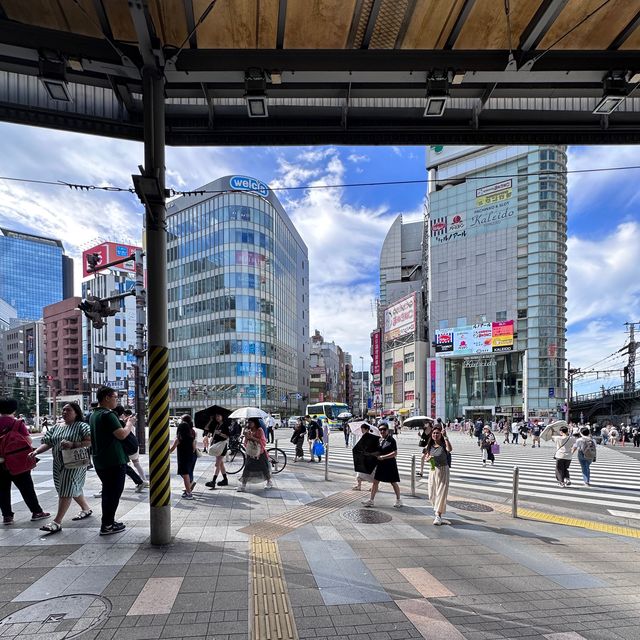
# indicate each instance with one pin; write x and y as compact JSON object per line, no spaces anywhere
{"x":160,"y":525}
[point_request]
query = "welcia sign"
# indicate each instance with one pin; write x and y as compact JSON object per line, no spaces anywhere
{"x":244,"y":183}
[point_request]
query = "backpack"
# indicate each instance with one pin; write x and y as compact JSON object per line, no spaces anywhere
{"x":15,"y":448}
{"x":589,"y":451}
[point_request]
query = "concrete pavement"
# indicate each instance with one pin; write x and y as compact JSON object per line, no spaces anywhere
{"x":298,"y":562}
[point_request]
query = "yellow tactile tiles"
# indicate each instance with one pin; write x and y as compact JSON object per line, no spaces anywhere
{"x":270,"y":609}
{"x":543,"y":516}
{"x":276,"y":526}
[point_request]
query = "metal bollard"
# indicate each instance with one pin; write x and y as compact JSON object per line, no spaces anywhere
{"x":413,"y":475}
{"x":514,"y":493}
{"x":326,"y":461}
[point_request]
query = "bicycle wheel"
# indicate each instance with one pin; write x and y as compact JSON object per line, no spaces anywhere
{"x":234,"y":461}
{"x":277,"y":458}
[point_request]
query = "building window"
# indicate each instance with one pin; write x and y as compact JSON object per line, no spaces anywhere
{"x":408,"y":357}
{"x":388,"y":398}
{"x":388,"y":363}
{"x":501,"y":316}
{"x":409,"y":376}
{"x":481,"y":288}
{"x":442,"y":324}
{"x":388,"y":380}
{"x":461,"y":321}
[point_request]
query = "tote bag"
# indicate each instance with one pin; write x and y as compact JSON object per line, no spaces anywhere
{"x":76,"y":458}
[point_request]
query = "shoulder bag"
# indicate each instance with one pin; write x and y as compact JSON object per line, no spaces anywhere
{"x":75,"y":458}
{"x":217,"y":448}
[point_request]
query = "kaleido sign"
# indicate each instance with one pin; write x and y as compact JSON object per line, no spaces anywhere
{"x":492,"y":208}
{"x":485,"y":337}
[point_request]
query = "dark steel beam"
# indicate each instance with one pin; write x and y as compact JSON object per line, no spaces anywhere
{"x":282,"y":21}
{"x":371,"y":23}
{"x":103,"y":19}
{"x":622,"y":37}
{"x":541,"y":22}
{"x":148,"y":43}
{"x":191,"y":23}
{"x":396,"y":60}
{"x":495,"y":128}
{"x":460,"y":20}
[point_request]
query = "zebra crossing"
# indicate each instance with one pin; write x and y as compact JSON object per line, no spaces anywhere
{"x":615,"y":478}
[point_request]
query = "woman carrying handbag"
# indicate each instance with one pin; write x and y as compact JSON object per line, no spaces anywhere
{"x":487,"y":446}
{"x":257,"y":466}
{"x":69,"y":443}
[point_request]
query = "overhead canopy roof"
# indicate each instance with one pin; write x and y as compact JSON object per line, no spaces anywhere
{"x":335,"y":71}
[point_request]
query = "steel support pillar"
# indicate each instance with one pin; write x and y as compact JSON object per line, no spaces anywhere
{"x":157,"y":333}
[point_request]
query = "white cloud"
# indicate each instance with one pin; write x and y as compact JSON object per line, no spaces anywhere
{"x":586,"y":188}
{"x":355,"y":158}
{"x":603,"y":275}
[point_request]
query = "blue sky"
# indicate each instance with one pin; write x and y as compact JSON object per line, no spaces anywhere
{"x":343,"y":228}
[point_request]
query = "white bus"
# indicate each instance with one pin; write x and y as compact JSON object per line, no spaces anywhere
{"x":328,"y":411}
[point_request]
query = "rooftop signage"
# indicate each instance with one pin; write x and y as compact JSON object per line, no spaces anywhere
{"x":244,"y":183}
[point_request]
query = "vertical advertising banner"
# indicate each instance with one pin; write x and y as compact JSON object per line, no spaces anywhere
{"x":376,"y":355}
{"x":398,"y":382}
{"x":432,"y":386}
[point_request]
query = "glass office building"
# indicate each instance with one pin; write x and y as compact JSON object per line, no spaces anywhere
{"x":238,"y":295}
{"x":34,"y":272}
{"x":498,"y":234}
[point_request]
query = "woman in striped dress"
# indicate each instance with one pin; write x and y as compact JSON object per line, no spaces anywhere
{"x":69,"y":483}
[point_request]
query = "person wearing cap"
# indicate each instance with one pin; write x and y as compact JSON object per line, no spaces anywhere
{"x":488,"y":440}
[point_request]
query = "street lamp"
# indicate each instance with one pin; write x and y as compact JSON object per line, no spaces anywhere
{"x":362,"y":386}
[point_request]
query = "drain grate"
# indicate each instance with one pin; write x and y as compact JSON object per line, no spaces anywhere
{"x":469,"y":506}
{"x":366,"y":516}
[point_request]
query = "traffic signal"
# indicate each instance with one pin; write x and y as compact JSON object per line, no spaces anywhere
{"x":92,"y":308}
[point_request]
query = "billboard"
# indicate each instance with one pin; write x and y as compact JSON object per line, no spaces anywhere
{"x":376,"y":355}
{"x":109,"y":252}
{"x":488,"y":208}
{"x":400,"y":318}
{"x":484,"y":337}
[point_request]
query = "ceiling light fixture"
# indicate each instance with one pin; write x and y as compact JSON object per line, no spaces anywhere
{"x":614,"y":94}
{"x":255,"y":84}
{"x":437,"y":96}
{"x":52,"y":75}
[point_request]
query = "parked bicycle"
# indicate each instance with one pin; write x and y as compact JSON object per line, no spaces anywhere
{"x":236,"y":457}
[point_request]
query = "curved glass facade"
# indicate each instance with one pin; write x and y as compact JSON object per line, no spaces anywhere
{"x":238,"y":300}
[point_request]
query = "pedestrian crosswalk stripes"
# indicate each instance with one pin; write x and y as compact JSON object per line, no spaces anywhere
{"x":615,"y":479}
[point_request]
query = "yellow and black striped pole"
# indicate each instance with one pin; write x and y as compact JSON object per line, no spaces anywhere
{"x":157,"y":331}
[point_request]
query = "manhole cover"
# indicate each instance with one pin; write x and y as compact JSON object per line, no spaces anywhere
{"x":366,"y":516}
{"x":469,"y":506}
{"x":60,"y":618}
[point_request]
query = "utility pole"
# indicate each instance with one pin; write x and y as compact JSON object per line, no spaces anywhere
{"x":570,"y":374}
{"x":630,"y":369}
{"x":139,"y":353}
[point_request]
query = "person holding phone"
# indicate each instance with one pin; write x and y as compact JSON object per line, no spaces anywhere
{"x":387,"y":468}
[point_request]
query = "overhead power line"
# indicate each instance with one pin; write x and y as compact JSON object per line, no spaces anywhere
{"x":385,"y":183}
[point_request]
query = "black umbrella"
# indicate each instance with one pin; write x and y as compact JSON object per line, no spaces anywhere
{"x":201,"y":418}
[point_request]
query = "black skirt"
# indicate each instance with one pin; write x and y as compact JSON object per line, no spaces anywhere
{"x":186,"y":462}
{"x":387,"y":471}
{"x":256,"y":469}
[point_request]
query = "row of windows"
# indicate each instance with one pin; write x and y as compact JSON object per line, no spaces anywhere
{"x":208,"y":241}
{"x":210,"y":213}
{"x":222,"y":325}
{"x":221,"y":348}
{"x":215,"y":261}
{"x":213,"y":370}
{"x":226,"y":280}
{"x":221,"y":303}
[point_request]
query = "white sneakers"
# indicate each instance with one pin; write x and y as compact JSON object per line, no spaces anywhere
{"x":437,"y":521}
{"x":367,"y":503}
{"x":269,"y":485}
{"x":398,"y":504}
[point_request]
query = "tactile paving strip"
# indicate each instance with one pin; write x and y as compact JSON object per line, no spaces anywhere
{"x":270,"y":614}
{"x":273,"y":528}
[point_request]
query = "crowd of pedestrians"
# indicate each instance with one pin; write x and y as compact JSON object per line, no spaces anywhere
{"x":105,"y":441}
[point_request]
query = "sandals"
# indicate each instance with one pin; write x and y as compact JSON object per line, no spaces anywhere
{"x":51,"y":527}
{"x":82,"y":515}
